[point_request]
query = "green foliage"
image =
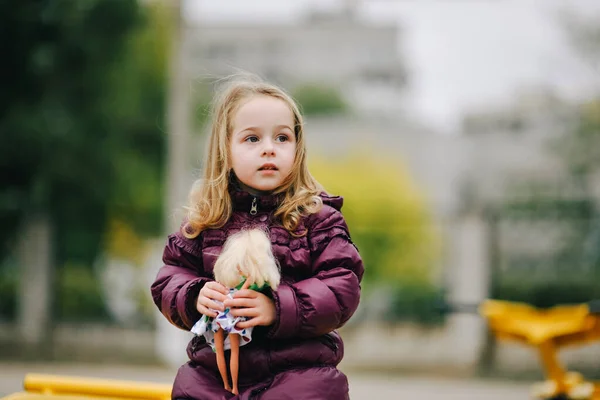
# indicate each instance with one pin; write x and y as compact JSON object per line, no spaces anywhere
{"x":78,"y":296}
{"x":567,"y":269}
{"x":391,"y":226}
{"x":139,"y":86}
{"x":82,"y":127}
{"x":81,"y":119}
{"x":9,"y":280}
{"x":319,"y":100}
{"x":569,"y":272}
{"x":550,"y":293}
{"x":387,"y":216}
{"x":202,"y":99}
{"x":581,"y":147}
{"x":418,"y":303}
{"x":540,"y":206}
{"x":55,"y":131}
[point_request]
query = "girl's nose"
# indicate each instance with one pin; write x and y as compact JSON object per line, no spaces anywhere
{"x":268,"y":149}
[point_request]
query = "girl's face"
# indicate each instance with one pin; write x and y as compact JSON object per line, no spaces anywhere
{"x":263,"y":143}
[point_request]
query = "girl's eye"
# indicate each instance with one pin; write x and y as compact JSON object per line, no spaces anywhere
{"x":252,"y":139}
{"x":283,"y":138}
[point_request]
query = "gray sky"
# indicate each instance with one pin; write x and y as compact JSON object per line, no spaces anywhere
{"x":461,"y":53}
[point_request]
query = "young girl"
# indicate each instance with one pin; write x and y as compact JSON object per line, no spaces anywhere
{"x":256,"y":175}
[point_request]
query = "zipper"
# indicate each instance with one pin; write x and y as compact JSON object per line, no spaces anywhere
{"x":254,"y":207}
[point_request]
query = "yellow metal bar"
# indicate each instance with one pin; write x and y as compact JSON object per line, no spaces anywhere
{"x":60,"y":385}
{"x":39,"y":396}
{"x":596,"y":394}
{"x":554,"y":370}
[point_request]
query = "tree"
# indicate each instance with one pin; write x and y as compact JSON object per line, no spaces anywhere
{"x":392,"y":227}
{"x":81,"y":122}
{"x":581,"y":147}
{"x":56,"y":134}
{"x":319,"y":100}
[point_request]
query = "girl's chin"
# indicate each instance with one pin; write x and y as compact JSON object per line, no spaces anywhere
{"x":260,"y":190}
{"x":260,"y":187}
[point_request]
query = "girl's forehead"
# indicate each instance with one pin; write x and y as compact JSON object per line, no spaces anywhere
{"x":263,"y":109}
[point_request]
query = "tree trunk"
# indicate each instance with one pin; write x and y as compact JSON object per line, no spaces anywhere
{"x":178,"y":118}
{"x":35,"y":298}
{"x":170,"y":341}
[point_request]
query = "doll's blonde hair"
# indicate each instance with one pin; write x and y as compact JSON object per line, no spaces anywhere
{"x":210,"y":204}
{"x":248,"y":254}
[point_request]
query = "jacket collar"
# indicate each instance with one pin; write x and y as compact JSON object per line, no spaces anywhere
{"x":241,"y":200}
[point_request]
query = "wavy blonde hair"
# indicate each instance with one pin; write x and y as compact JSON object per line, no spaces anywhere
{"x":247,"y":254}
{"x":210,"y":204}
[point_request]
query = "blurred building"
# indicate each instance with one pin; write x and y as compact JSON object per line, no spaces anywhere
{"x":517,"y":147}
{"x":333,"y":49}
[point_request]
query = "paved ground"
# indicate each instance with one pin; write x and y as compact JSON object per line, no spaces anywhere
{"x":363,"y":386}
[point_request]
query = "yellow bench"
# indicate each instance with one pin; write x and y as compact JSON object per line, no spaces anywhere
{"x":548,"y":330}
{"x":57,"y":387}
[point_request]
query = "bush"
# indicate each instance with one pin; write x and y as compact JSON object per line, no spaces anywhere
{"x":418,"y":303}
{"x":78,"y":295}
{"x":318,"y":100}
{"x":390,"y":223}
{"x":548,"y":294}
{"x":9,"y":280}
{"x":565,"y":272}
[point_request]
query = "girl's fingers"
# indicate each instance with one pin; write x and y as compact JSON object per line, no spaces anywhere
{"x":210,"y":304}
{"x":216,"y":286}
{"x":213,"y":305}
{"x":213,"y":294}
{"x":246,"y":293}
{"x":205,"y":311}
{"x":244,"y":312}
{"x":241,"y":302}
{"x":248,"y":324}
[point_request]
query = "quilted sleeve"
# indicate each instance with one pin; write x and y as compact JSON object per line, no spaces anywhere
{"x":328,"y":299}
{"x":179,"y":281}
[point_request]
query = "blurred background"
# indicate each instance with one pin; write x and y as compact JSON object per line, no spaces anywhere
{"x":464,"y":136}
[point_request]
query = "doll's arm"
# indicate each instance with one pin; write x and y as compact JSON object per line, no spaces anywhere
{"x":179,"y":281}
{"x":327,"y":300}
{"x":246,"y":284}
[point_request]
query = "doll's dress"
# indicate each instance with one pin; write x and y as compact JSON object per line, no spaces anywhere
{"x":207,"y":326}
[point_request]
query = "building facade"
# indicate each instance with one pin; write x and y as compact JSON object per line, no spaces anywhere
{"x":337,"y":50}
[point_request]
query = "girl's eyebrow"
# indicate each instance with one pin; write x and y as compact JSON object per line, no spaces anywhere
{"x":255,"y":129}
{"x":245,"y":130}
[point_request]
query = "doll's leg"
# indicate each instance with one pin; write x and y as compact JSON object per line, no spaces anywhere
{"x":221,"y":363}
{"x":234,"y":340}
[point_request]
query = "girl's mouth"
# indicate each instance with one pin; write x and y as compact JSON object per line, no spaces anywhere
{"x":268,"y":167}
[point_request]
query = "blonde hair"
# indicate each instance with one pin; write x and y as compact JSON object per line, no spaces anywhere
{"x":248,"y":254}
{"x":210,"y":204}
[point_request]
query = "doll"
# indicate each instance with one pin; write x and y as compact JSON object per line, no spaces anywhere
{"x":246,"y":262}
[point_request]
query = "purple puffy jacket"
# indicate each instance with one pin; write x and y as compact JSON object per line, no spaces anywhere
{"x":296,"y":358}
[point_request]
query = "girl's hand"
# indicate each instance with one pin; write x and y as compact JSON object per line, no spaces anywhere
{"x":257,"y":307}
{"x":210,"y":293}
